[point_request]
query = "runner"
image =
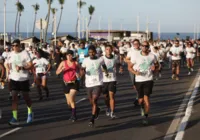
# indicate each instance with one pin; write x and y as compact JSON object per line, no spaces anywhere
{"x":142,"y":65}
{"x":70,"y":68}
{"x":175,"y":52}
{"x":19,"y":65}
{"x":135,"y":49}
{"x":2,"y":73}
{"x":109,"y":83}
{"x":40,"y":64}
{"x":190,"y":53}
{"x":94,"y":80}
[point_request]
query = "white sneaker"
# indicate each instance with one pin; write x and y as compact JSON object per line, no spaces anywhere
{"x":192,"y":69}
{"x":189,"y":73}
{"x":108,"y":112}
{"x":112,"y":115}
{"x":160,"y":75}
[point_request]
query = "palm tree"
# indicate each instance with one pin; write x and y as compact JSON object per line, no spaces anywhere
{"x":80,"y":4}
{"x":49,"y":2}
{"x":20,"y":9}
{"x":61,"y":2}
{"x":16,"y":19}
{"x":53,"y":11}
{"x":91,"y":10}
{"x":36,"y":7}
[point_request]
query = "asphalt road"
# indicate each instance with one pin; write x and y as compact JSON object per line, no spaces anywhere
{"x":51,"y":116}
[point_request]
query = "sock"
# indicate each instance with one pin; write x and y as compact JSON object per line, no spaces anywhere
{"x":29,"y":110}
{"x":14,"y":112}
{"x":74,"y":111}
{"x":93,"y":116}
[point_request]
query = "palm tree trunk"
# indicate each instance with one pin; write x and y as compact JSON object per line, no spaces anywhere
{"x":19,"y":24}
{"x":49,"y":12}
{"x":53,"y":24}
{"x":34,"y":25}
{"x":77,"y":28}
{"x":16,"y":23}
{"x":89,"y":21}
{"x":59,"y":20}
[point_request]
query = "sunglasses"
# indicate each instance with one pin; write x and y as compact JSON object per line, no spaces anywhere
{"x":146,"y":46}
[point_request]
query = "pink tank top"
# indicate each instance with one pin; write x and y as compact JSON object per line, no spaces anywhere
{"x":70,"y":72}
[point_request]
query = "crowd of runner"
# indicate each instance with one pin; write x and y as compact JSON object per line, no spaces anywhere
{"x":95,"y":67}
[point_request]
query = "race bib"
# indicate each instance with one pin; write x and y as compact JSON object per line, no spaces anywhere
{"x":110,"y":75}
{"x":40,"y":70}
{"x":93,"y":79}
{"x":82,"y":56}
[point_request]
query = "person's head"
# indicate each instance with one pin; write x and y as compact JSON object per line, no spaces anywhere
{"x":69,"y":55}
{"x":92,"y":51}
{"x":189,"y":44}
{"x":6,"y":49}
{"x":44,"y":45}
{"x":60,"y":43}
{"x":57,"y":50}
{"x":136,"y":43}
{"x":109,"y":50}
{"x":16,"y":45}
{"x":39,"y":53}
{"x":145,"y":47}
{"x":73,"y":45}
{"x":176,"y":43}
{"x":82,"y":45}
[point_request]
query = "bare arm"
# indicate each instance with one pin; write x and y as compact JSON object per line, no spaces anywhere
{"x":60,"y":68}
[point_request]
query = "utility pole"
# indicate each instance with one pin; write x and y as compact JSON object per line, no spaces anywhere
{"x":55,"y":30}
{"x":79,"y":22}
{"x":4,"y":23}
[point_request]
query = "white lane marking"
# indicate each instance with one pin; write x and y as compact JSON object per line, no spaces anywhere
{"x":188,"y":112}
{"x":9,"y":132}
{"x":177,"y":118}
{"x":18,"y":128}
{"x":81,"y":100}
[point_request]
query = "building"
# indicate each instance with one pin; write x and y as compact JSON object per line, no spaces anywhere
{"x":117,"y":35}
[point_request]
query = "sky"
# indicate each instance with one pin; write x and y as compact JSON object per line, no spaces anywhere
{"x":174,"y":15}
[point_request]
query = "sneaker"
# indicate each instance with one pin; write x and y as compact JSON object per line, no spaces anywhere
{"x":33,"y":85}
{"x":173,"y":76}
{"x":30,"y":118}
{"x":97,"y":113}
{"x":13,"y":121}
{"x":160,"y":75}
{"x":91,"y":123}
{"x":112,"y":115}
{"x":192,"y":69}
{"x":142,"y":111}
{"x":136,"y":102}
{"x":73,"y":118}
{"x":108,"y":112}
{"x":189,"y":73}
{"x":177,"y":78}
{"x":145,"y":121}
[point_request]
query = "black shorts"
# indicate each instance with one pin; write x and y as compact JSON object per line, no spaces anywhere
{"x":68,"y":86}
{"x":96,"y":90}
{"x":109,"y":87}
{"x":176,"y":63}
{"x":144,"y":88}
{"x":132,"y":78}
{"x":22,"y":86}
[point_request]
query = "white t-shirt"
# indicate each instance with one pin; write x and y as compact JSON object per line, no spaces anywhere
{"x":111,"y":67}
{"x":190,"y":52}
{"x":176,"y":50}
{"x":40,"y":65}
{"x":143,"y":65}
{"x":132,"y":53}
{"x":18,"y":59}
{"x":94,"y":74}
{"x":5,"y":55}
{"x":121,"y":50}
{"x":63,"y":50}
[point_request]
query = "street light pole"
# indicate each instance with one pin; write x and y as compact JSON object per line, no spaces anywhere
{"x":4,"y":23}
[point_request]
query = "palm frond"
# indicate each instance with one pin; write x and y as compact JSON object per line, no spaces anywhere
{"x":91,"y":10}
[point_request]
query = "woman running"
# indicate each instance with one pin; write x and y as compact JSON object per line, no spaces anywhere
{"x":70,"y":68}
{"x":94,"y":80}
{"x":190,"y":53}
{"x":42,"y":67}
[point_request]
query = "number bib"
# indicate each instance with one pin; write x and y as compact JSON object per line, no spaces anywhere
{"x":82,"y":56}
{"x":93,"y":79}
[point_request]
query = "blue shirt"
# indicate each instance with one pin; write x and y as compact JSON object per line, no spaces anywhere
{"x":82,"y":53}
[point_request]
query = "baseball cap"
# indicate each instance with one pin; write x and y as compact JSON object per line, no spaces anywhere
{"x":16,"y":42}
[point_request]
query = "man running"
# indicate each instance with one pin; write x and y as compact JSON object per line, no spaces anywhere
{"x":94,"y":80}
{"x":142,"y":65}
{"x":19,"y":66}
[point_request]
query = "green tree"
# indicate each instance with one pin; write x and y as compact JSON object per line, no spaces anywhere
{"x":20,"y":9}
{"x":61,"y":2}
{"x":49,"y":2}
{"x":80,"y":5}
{"x":36,"y":7}
{"x":91,"y":10}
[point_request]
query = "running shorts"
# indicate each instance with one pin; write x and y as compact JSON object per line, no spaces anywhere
{"x":68,"y":86}
{"x":96,"y":90}
{"x":109,"y":87}
{"x":22,"y":86}
{"x":41,"y":75}
{"x":144,"y":88}
{"x":176,"y":63}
